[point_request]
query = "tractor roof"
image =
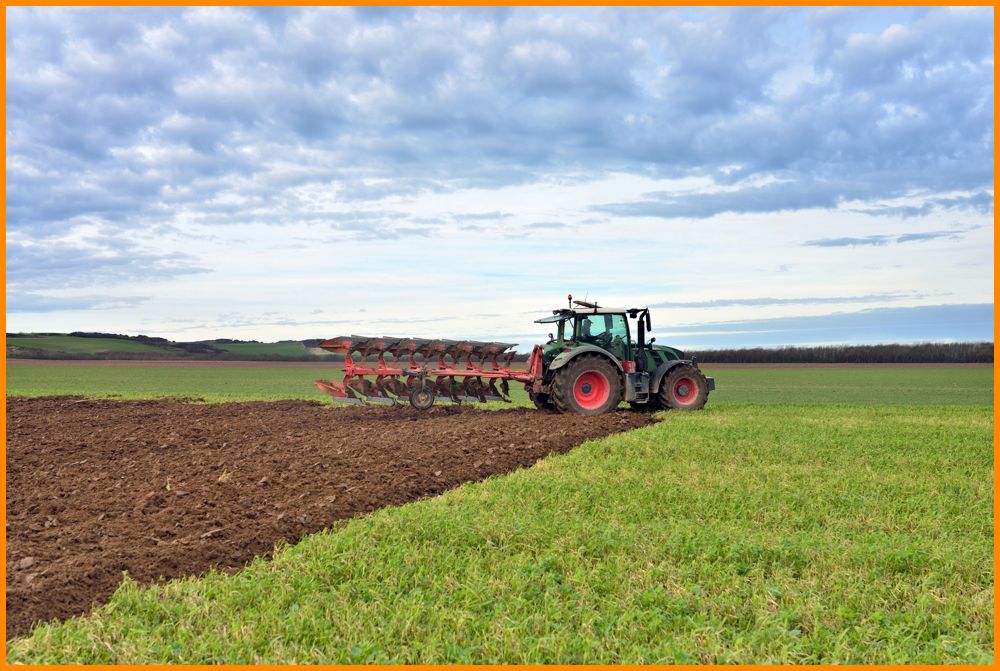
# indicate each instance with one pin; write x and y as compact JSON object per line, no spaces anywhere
{"x":567,"y":313}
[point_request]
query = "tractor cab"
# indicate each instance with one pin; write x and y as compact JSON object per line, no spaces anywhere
{"x":620,"y":331}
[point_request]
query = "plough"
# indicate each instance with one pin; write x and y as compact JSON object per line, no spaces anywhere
{"x":423,"y":371}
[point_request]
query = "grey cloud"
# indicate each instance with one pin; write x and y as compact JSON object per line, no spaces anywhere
{"x":786,"y":196}
{"x":981,"y":202}
{"x":849,"y":242}
{"x":98,"y":260}
{"x":930,"y":235}
{"x":128,"y":116}
{"x":769,"y":198}
{"x":878,"y":240}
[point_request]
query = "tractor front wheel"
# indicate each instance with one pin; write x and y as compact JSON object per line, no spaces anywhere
{"x":684,"y":388}
{"x":588,"y":385}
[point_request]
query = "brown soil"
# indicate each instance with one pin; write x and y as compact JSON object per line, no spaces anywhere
{"x":164,"y":488}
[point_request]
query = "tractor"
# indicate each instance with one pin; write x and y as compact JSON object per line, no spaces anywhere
{"x":591,"y":363}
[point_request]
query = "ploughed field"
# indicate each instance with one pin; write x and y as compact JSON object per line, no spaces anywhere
{"x":166,"y":488}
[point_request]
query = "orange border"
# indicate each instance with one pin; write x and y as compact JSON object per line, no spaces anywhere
{"x":453,"y":3}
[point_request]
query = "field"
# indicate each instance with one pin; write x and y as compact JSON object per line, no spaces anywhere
{"x":77,"y":345}
{"x":216,"y":382}
{"x":282,"y":348}
{"x":807,"y":515}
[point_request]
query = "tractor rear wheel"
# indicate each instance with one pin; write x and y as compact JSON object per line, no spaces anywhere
{"x":684,"y":388}
{"x":588,"y":385}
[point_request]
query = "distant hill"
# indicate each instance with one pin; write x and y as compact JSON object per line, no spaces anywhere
{"x":85,"y":345}
{"x":77,"y":345}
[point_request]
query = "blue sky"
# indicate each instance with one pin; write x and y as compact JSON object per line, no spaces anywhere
{"x":760,"y":176}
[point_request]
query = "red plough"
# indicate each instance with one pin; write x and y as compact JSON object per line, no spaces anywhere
{"x":422,"y":371}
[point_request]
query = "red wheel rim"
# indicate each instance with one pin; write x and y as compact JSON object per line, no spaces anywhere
{"x":591,"y":390}
{"x":685,"y":391}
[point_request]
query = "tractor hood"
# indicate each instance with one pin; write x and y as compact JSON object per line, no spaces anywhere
{"x":671,"y":352}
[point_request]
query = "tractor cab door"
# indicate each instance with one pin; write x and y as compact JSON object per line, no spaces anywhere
{"x":609,"y":332}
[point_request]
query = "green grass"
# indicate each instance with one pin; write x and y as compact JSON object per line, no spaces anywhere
{"x":283,"y":348}
{"x":902,"y":386}
{"x":911,"y":386}
{"x":743,"y":533}
{"x":77,"y":345}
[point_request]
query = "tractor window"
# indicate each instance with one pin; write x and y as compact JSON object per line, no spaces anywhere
{"x":608,"y":332}
{"x":616,"y":326}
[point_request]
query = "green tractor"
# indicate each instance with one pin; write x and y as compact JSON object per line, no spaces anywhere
{"x":593,"y":361}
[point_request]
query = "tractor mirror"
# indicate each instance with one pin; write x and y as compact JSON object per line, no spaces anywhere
{"x":649,"y":324}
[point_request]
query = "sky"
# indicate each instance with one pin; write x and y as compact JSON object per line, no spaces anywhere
{"x":757,"y":176}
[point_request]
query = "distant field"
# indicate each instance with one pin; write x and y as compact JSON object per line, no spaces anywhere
{"x":77,"y":345}
{"x":769,"y":386}
{"x":283,"y":348}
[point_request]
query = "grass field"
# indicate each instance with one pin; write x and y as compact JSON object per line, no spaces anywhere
{"x":77,"y":345}
{"x":911,"y":386}
{"x":283,"y":348}
{"x":817,"y":515}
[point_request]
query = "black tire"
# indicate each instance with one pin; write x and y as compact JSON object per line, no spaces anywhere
{"x":422,"y":397}
{"x":683,"y":388}
{"x":589,"y":398}
{"x":542,"y":401}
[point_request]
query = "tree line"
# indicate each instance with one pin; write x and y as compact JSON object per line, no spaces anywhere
{"x":927,"y":352}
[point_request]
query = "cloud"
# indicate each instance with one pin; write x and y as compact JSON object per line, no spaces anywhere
{"x":29,"y":301}
{"x":880,"y":240}
{"x":129,"y":116}
{"x":96,"y":260}
{"x":481,"y":216}
{"x":981,"y":201}
{"x":876,"y":240}
{"x":788,"y":196}
{"x":771,"y":301}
